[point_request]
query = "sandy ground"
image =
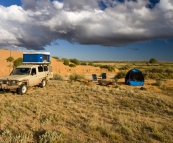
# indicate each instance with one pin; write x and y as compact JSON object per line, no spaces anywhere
{"x":6,"y":67}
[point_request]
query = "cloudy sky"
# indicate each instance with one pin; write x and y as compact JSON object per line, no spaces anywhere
{"x":89,"y":29}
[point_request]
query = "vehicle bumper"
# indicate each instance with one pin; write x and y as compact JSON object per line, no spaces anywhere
{"x":8,"y":87}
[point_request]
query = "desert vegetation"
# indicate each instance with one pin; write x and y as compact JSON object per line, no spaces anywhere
{"x":75,"y":61}
{"x":76,"y":77}
{"x":57,"y":58}
{"x":152,"y":61}
{"x":17,"y":62}
{"x":10,"y":59}
{"x":65,"y":61}
{"x":75,"y":112}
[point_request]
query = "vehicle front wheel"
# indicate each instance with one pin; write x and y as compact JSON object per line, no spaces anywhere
{"x":22,"y":89}
{"x":43,"y":83}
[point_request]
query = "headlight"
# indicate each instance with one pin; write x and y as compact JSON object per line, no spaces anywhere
{"x":14,"y":81}
{"x":0,"y":81}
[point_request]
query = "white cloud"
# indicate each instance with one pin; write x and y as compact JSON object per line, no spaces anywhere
{"x":37,"y":23}
{"x":58,"y":5}
{"x":165,"y":5}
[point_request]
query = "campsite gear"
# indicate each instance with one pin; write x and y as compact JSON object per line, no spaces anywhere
{"x":134,"y":77}
{"x":94,"y":78}
{"x":103,"y":75}
{"x":36,"y":57}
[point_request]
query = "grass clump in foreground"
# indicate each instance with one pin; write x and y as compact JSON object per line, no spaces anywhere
{"x":76,"y":77}
{"x":58,"y":77}
{"x":72,"y":112}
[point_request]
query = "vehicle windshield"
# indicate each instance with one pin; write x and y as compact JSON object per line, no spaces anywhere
{"x":21,"y":71}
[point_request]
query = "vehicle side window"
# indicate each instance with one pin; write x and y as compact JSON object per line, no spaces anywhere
{"x":45,"y":57}
{"x":45,"y":68}
{"x":40,"y":69}
{"x":33,"y":72}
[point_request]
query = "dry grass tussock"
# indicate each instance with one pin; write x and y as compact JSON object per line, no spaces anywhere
{"x":72,"y":112}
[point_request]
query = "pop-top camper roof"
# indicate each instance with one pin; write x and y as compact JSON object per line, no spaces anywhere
{"x":36,"y":57}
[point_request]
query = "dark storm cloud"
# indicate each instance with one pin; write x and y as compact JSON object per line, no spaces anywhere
{"x":38,"y":23}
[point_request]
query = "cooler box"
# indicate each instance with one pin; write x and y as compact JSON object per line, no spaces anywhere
{"x":36,"y":57}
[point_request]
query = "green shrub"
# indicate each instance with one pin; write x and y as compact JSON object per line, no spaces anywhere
{"x":84,"y":63}
{"x":108,"y":67}
{"x":126,"y":67}
{"x":152,"y":61}
{"x":49,"y":137}
{"x":75,"y":77}
{"x":10,"y":59}
{"x":18,"y":62}
{"x":119,"y":75}
{"x":91,"y":64}
{"x":65,"y":61}
{"x":56,"y":58}
{"x":72,"y":65}
{"x":75,"y":61}
{"x":155,"y":73}
{"x":97,"y":65}
{"x":58,"y":77}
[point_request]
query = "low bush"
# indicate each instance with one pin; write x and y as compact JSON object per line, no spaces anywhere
{"x":108,"y":67}
{"x":72,"y":65}
{"x":84,"y":63}
{"x":126,"y":67}
{"x":152,"y":61}
{"x":159,"y":73}
{"x":18,"y":62}
{"x":97,"y":65}
{"x":91,"y":64}
{"x":75,"y":61}
{"x":119,"y":75}
{"x":75,"y":77}
{"x":56,"y":58}
{"x":65,"y":61}
{"x":10,"y":59}
{"x":58,"y":77}
{"x":49,"y":137}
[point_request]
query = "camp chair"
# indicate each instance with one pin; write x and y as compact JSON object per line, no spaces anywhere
{"x":103,"y":75}
{"x":94,"y":78}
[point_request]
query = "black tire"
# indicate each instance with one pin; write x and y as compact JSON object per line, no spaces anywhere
{"x":22,"y":89}
{"x":43,"y":83}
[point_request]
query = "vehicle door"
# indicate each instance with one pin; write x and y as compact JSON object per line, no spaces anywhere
{"x":33,"y":79}
{"x":41,"y":73}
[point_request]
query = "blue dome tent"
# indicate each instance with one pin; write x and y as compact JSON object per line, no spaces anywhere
{"x":134,"y":77}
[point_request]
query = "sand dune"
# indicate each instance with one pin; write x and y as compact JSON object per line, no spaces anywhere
{"x":58,"y":66}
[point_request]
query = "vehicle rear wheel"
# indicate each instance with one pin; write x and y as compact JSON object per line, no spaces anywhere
{"x":22,"y":89}
{"x":43,"y":83}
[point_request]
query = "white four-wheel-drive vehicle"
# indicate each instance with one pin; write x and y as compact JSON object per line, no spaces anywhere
{"x":25,"y":76}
